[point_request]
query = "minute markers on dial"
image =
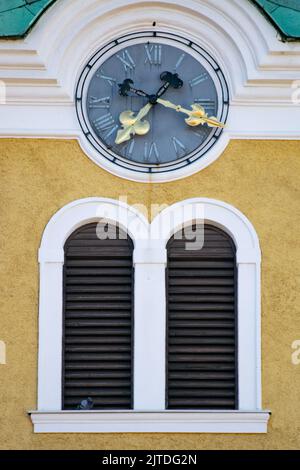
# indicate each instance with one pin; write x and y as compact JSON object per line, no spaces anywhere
{"x":201,"y":133}
{"x":199,"y":79}
{"x":179,"y":62}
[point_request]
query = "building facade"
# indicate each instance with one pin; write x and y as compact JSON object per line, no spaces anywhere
{"x":149,"y":242}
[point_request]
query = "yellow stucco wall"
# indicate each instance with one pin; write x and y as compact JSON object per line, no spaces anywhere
{"x":262,"y":179}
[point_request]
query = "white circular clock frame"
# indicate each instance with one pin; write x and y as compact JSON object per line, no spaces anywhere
{"x":213,"y":146}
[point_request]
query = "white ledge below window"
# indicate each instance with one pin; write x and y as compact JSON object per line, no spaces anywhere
{"x":141,"y":421}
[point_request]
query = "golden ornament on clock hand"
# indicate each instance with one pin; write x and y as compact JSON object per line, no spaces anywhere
{"x":197,"y":115}
{"x":133,"y":124}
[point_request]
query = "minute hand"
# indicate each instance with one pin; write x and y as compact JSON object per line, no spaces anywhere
{"x":197,"y":114}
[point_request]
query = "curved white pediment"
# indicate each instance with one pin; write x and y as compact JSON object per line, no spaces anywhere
{"x":233,"y":31}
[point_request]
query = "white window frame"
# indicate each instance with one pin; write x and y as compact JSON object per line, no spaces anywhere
{"x":149,"y":258}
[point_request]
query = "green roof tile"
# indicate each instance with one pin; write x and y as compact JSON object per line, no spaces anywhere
{"x":18,"y":16}
{"x":284,"y":14}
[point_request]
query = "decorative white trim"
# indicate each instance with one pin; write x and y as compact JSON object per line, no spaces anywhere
{"x":150,"y":261}
{"x":40,"y":75}
{"x":167,"y":422}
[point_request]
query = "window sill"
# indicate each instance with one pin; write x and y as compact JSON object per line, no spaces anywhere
{"x":250,"y":422}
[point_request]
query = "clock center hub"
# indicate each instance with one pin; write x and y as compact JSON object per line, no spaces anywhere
{"x":153,"y":99}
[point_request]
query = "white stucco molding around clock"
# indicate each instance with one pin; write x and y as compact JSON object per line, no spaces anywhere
{"x":149,"y":257}
{"x":40,"y":74}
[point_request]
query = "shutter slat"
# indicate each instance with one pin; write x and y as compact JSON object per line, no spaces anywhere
{"x":98,"y":348}
{"x":201,"y":328}
{"x":212,"y":367}
{"x":192,"y":349}
{"x":101,"y":357}
{"x":204,"y":403}
{"x":102,"y":403}
{"x":213,"y":290}
{"x":204,"y":332}
{"x":212,"y":298}
{"x":85,"y":332}
{"x":198,"y":340}
{"x":84,"y":271}
{"x":98,"y":305}
{"x":229,"y":315}
{"x":199,"y":281}
{"x":199,"y":273}
{"x":99,"y":392}
{"x":98,"y":319}
{"x":220,"y":376}
{"x":97,"y":340}
{"x":98,"y":314}
{"x":91,"y":282}
{"x":113,"y":383}
{"x":196,"y":263}
{"x":98,"y":375}
{"x":199,"y":323}
{"x":200,"y":307}
{"x":99,"y":263}
{"x":96,"y":366}
{"x":201,"y":393}
{"x":98,"y":288}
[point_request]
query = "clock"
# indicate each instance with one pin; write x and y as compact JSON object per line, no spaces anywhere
{"x":152,"y":102}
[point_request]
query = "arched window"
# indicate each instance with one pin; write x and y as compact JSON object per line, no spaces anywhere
{"x":208,"y":310}
{"x":201,"y":321}
{"x":98,"y":318}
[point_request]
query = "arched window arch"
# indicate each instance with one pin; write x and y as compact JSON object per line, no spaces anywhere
{"x":201,"y":320}
{"x":98,"y":318}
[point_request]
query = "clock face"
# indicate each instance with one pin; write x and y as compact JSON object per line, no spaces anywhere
{"x":127,"y":97}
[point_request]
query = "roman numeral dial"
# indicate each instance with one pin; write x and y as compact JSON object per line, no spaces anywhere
{"x":153,"y":54}
{"x":152,"y":102}
{"x":151,"y":153}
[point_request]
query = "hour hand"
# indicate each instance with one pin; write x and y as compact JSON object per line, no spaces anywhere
{"x":171,"y":80}
{"x":127,"y":86}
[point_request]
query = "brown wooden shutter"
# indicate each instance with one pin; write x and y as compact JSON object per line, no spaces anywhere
{"x":202,"y":324}
{"x":98,"y":320}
